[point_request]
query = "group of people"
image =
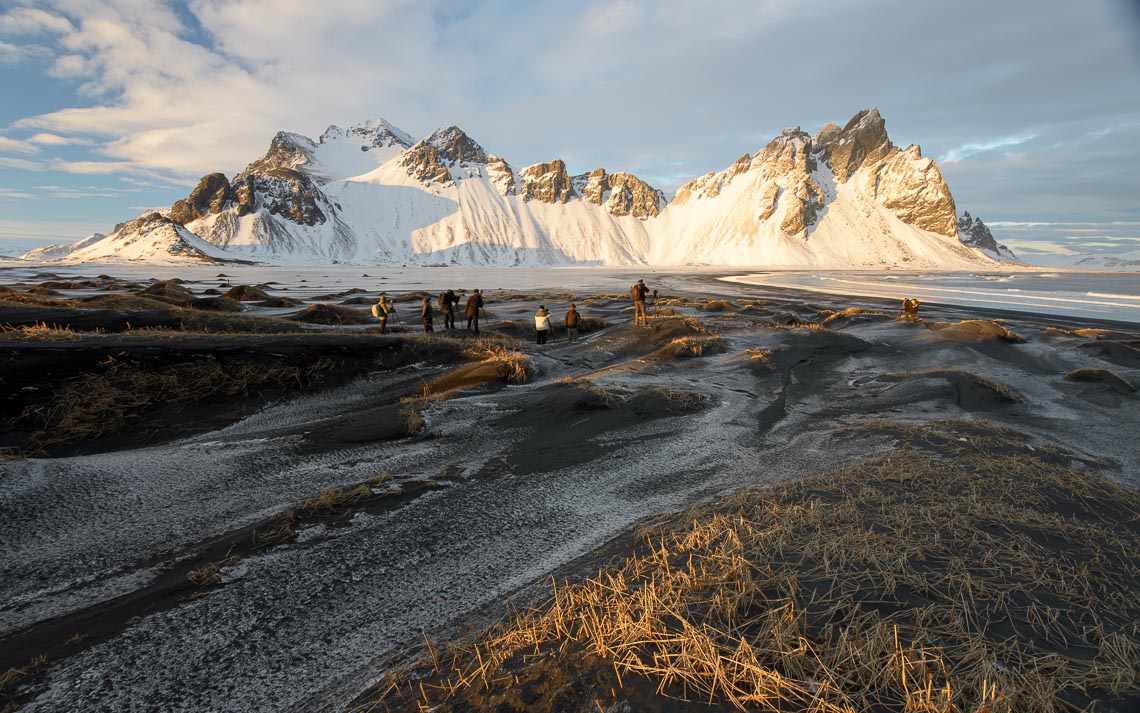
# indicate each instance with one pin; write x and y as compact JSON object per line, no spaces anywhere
{"x":448,"y":306}
{"x":543,"y":326}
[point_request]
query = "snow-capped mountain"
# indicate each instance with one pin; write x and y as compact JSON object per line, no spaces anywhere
{"x":845,"y":197}
{"x":152,"y":238}
{"x":370,"y":195}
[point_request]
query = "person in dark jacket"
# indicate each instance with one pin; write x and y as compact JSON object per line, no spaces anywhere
{"x":573,"y":322}
{"x":474,"y":304}
{"x":428,"y":316}
{"x":638,"y":293}
{"x":447,"y":303}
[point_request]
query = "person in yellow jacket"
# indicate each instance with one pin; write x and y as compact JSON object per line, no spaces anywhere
{"x":381,"y":310}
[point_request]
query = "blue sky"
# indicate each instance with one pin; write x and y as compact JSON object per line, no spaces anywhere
{"x":1031,"y":109}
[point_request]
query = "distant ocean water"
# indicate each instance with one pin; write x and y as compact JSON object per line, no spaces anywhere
{"x":1101,"y":295}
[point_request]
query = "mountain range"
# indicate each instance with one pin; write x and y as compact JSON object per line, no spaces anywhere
{"x":371,"y":194}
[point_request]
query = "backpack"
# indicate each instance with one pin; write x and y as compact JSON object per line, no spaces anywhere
{"x":381,"y":309}
{"x":443,"y":300}
{"x":635,"y":293}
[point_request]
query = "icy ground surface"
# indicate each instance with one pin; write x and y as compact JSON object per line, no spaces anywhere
{"x":307,"y":625}
{"x":1103,"y":295}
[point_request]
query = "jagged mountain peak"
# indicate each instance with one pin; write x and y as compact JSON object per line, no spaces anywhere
{"x":862,"y":140}
{"x":455,"y":145}
{"x":973,"y":232}
{"x":378,"y":132}
{"x":287,"y":150}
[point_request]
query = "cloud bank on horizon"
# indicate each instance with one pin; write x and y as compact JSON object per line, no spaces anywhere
{"x":1032,"y":109}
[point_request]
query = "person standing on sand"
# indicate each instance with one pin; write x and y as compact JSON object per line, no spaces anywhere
{"x":638,"y":293}
{"x":474,"y":304}
{"x":447,"y":303}
{"x":573,"y":322}
{"x":381,"y":310}
{"x":428,"y":316}
{"x":910,"y":309}
{"x":541,"y":324}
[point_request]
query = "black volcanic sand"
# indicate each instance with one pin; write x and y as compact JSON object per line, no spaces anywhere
{"x":496,"y":485}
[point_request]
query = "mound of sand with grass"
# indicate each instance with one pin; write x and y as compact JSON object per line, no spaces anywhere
{"x":1124,"y":353}
{"x":914,"y":582}
{"x":332,"y":314}
{"x":278,"y":302}
{"x":247,"y":293}
{"x":976,"y":330}
{"x":169,"y":291}
{"x":216,"y":304}
{"x":971,"y":391}
{"x":1102,"y":376}
{"x":855,"y":315}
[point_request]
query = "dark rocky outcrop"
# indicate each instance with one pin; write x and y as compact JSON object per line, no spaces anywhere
{"x":621,"y":193}
{"x":212,"y":195}
{"x":547,"y":182}
{"x":862,"y":141}
{"x":973,"y":232}
{"x":911,"y":186}
{"x":428,"y":160}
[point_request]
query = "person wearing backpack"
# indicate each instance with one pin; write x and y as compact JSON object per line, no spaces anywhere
{"x":573,"y":322}
{"x":447,"y":302}
{"x":381,"y":310}
{"x":474,"y":304}
{"x":910,"y":309}
{"x":638,"y":293}
{"x":541,"y":324}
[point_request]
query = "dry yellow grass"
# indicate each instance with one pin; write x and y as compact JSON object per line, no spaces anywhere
{"x":329,"y":502}
{"x":92,"y":405}
{"x":679,"y":399}
{"x":513,"y":365}
{"x":207,"y":575}
{"x":965,"y":573}
{"x":763,"y":357}
{"x":696,"y":346}
{"x":18,"y":674}
{"x":41,"y":331}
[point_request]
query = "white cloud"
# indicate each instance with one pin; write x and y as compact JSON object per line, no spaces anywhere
{"x":32,"y":21}
{"x":11,"y":53}
{"x":22,"y":164}
{"x":970,"y":149}
{"x":13,"y":193}
{"x":8,"y":145}
{"x":45,"y":231}
{"x":45,"y":139}
{"x":1049,"y":247}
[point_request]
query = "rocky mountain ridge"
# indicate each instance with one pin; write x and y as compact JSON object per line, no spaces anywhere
{"x":369,"y":194}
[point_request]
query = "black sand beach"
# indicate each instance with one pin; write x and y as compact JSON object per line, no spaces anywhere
{"x":253,"y":500}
